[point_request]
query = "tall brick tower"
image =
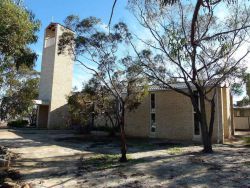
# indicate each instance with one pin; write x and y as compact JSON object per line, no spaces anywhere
{"x":55,"y":81}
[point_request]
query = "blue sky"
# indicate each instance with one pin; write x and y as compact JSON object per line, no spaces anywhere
{"x":45,"y":10}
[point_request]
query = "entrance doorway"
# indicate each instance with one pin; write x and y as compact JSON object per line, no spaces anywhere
{"x":42,"y":119}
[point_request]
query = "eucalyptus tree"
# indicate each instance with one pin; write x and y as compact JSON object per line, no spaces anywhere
{"x":100,"y":52}
{"x":188,"y":42}
{"x":94,"y":102}
{"x":19,"y":92}
{"x":103,"y":104}
{"x":18,"y":28}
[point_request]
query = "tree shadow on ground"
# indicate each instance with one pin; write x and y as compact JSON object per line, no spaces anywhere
{"x":94,"y":161}
{"x":91,"y":143}
{"x":181,"y":170}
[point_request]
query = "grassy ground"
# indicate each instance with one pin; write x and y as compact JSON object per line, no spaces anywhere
{"x":57,"y":159}
{"x":111,"y":161}
{"x":247,"y":140}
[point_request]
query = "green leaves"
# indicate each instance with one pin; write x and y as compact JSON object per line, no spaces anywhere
{"x":66,"y":39}
{"x":17,"y":28}
{"x":18,"y":80}
{"x":26,"y":57}
{"x":87,"y":24}
{"x":20,"y":91}
{"x":71,"y":21}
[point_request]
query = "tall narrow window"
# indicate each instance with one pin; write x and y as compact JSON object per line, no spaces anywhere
{"x":152,"y":101}
{"x":152,"y":113}
{"x":50,"y":42}
{"x":196,"y":118}
{"x":153,"y":125}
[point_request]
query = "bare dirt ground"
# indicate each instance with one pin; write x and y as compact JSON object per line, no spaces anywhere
{"x":63,"y":159}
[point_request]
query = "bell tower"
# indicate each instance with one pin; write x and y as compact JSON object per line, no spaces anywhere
{"x":55,"y":81}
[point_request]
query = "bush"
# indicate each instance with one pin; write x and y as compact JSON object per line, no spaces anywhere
{"x":18,"y":123}
{"x":105,"y":128}
{"x":110,"y":130}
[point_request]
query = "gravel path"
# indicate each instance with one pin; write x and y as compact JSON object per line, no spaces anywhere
{"x":62,"y":159}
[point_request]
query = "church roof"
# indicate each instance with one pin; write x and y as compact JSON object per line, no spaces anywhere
{"x":179,"y":85}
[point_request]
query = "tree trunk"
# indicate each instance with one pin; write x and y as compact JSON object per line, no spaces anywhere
{"x":92,"y":115}
{"x":207,"y":143}
{"x":212,"y":116}
{"x":206,"y":138}
{"x":123,"y":137}
{"x":112,"y":131}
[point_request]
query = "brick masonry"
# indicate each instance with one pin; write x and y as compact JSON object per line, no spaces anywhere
{"x":174,"y":117}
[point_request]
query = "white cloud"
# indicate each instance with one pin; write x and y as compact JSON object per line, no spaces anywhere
{"x":221,"y":12}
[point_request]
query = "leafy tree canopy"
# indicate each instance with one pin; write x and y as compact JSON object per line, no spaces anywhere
{"x":20,"y":89}
{"x":18,"y":80}
{"x":100,"y":52}
{"x":189,"y":43}
{"x":17,"y":28}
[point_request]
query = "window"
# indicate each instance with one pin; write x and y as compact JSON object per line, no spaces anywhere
{"x":153,"y":118}
{"x":50,"y":42}
{"x":196,"y":119}
{"x":153,"y":125}
{"x":152,"y":113}
{"x":152,"y":101}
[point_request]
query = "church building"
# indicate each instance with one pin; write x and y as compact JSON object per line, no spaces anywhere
{"x":162,"y":114}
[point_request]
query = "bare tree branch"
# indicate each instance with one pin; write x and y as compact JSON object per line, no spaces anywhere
{"x":112,"y":13}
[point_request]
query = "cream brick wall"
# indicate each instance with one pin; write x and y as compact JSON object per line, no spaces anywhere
{"x":45,"y":86}
{"x":174,"y":117}
{"x":227,"y":113}
{"x":218,"y":120}
{"x":61,"y":87}
{"x":137,"y":121}
{"x":218,"y":132}
{"x":56,"y":80}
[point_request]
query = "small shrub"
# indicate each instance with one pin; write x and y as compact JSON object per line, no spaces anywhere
{"x":247,"y":141}
{"x":111,"y":130}
{"x":18,"y":123}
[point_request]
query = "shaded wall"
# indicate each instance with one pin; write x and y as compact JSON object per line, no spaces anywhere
{"x":42,"y":117}
{"x":242,"y":118}
{"x":226,"y":113}
{"x":242,"y":123}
